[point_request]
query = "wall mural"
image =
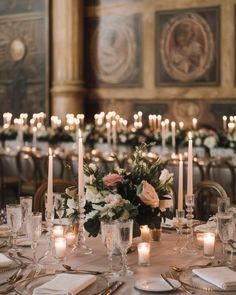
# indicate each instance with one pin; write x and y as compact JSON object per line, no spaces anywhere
{"x":114,"y":51}
{"x":23,"y":57}
{"x":188,"y":47}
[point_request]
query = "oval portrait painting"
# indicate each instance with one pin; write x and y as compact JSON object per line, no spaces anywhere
{"x":187,"y":47}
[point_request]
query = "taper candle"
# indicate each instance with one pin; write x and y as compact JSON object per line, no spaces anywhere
{"x":180,"y":187}
{"x":80,"y":165}
{"x":50,"y":183}
{"x":190,"y":165}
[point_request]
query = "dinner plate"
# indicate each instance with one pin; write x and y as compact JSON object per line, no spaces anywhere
{"x":156,"y":284}
{"x":92,"y":289}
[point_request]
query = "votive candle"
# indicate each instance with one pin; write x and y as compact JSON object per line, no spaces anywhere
{"x":209,"y":244}
{"x":60,"y":247}
{"x":145,"y":233}
{"x":144,"y":249}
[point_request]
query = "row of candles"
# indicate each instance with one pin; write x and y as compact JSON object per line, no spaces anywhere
{"x":205,"y":241}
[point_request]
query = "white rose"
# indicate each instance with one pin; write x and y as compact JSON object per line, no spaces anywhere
{"x":166,"y":176}
{"x":92,"y":195}
{"x":92,"y":166}
{"x":148,"y":195}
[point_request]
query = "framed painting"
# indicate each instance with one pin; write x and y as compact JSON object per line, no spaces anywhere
{"x":187,"y":47}
{"x":113,"y":51}
{"x":24,"y":56}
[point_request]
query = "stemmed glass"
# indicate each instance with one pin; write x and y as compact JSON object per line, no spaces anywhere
{"x":108,"y":239}
{"x":14,"y":221}
{"x":124,"y":235}
{"x":225,"y":230}
{"x":34,"y":230}
{"x":58,"y":206}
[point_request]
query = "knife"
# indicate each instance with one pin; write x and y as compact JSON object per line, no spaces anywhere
{"x":168,"y":282}
{"x":113,"y":288}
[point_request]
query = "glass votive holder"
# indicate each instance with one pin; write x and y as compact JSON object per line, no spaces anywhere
{"x":209,"y":245}
{"x":70,"y":238}
{"x":57,"y":231}
{"x":200,"y":240}
{"x":144,"y":250}
{"x":60,"y":247}
{"x":145,"y":233}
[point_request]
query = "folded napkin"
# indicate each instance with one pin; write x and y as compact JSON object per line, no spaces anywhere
{"x":4,"y":261}
{"x":221,"y":276}
{"x":65,"y":284}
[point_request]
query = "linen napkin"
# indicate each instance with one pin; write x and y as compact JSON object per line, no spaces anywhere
{"x":4,"y":261}
{"x":65,"y":284}
{"x":221,"y":276}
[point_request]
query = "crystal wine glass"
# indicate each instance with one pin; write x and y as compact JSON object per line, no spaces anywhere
{"x":225,"y":230}
{"x":14,"y":221}
{"x":58,"y":206}
{"x":180,"y":214}
{"x":108,"y":239}
{"x":34,"y":230}
{"x":124,"y":235}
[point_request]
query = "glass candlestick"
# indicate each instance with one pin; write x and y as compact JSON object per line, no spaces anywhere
{"x":180,"y":220}
{"x":80,"y":247}
{"x":189,"y":247}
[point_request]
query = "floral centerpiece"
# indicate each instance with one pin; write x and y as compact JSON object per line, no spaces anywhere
{"x":143,"y":193}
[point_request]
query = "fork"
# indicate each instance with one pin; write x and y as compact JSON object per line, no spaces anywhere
{"x":182,"y":286}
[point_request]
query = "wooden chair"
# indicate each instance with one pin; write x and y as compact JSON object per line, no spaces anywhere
{"x":9,"y":181}
{"x":173,"y":166}
{"x":59,"y":186}
{"x":29,"y":171}
{"x":206,"y":194}
{"x":222,"y":171}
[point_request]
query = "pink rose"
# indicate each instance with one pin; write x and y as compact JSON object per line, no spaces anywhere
{"x":148,"y":195}
{"x":112,"y":179}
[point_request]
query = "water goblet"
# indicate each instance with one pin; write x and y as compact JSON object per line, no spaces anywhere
{"x":225,"y":230}
{"x":108,"y":239}
{"x":59,"y":206}
{"x":124,"y":235}
{"x":34,"y":230}
{"x":14,"y":221}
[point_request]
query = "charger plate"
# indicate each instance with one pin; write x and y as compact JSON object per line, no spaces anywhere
{"x":95,"y":288}
{"x":188,"y":278}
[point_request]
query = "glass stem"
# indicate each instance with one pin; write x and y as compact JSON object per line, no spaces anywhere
{"x":14,"y":240}
{"x":110,"y":261}
{"x":33,"y":246}
{"x":124,"y":261}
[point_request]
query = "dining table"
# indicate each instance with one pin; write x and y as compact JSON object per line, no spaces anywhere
{"x":163,"y":260}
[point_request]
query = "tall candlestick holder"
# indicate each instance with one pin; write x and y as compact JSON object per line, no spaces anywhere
{"x":80,"y":248}
{"x":189,"y":247}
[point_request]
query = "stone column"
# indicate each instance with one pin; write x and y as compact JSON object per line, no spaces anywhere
{"x":67,"y":57}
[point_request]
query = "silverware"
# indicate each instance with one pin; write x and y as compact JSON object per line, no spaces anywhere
{"x":93,"y":272}
{"x":168,"y":281}
{"x":115,"y":287}
{"x":182,"y":286}
{"x":107,"y":289}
